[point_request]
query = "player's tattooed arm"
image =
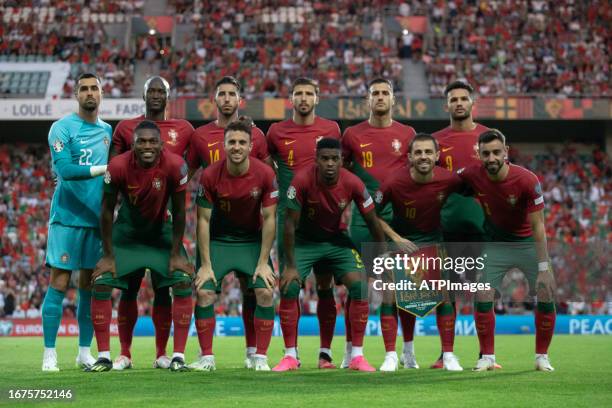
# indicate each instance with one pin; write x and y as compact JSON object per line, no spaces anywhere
{"x":205,"y":272}
{"x":290,"y":273}
{"x":403,"y":244}
{"x":107,"y":262}
{"x":177,"y":260}
{"x":268,"y":232}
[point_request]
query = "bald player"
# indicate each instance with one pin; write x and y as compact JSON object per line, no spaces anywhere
{"x":176,"y":136}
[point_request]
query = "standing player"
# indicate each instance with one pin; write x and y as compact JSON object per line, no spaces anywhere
{"x":176,"y":135}
{"x":207,"y":147}
{"x":516,"y":237}
{"x":462,"y":217}
{"x":141,"y":237}
{"x":315,"y":233}
{"x":292,"y":144}
{"x":417,"y":194}
{"x":375,"y":149}
{"x":79,"y":145}
{"x":234,"y":236}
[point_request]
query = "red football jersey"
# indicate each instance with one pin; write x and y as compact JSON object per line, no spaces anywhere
{"x":176,"y":134}
{"x":375,"y":152}
{"x":146,"y":191}
{"x":237,"y":200}
{"x":417,"y":206}
{"x":322,"y":206}
{"x":293,"y":146}
{"x":459,"y":149}
{"x":507,"y":203}
{"x":207,"y":145}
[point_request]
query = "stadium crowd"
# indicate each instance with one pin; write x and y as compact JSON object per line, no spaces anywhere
{"x":560,"y":47}
{"x":578,"y":218}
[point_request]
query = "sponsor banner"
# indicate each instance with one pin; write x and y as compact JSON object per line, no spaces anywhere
{"x":49,"y":109}
{"x":309,"y":326}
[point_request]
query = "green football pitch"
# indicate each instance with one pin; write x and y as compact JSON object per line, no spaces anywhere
{"x":583,"y":377}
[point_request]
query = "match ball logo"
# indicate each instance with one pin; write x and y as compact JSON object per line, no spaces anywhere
{"x":396,"y":145}
{"x":107,"y":177}
{"x":157,"y":183}
{"x":291,"y":193}
{"x":58,"y":145}
{"x":255,"y":192}
{"x":173,"y":135}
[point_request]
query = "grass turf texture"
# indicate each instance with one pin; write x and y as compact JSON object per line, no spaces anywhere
{"x":583,"y":376}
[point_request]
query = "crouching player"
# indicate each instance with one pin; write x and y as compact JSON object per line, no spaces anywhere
{"x":315,"y":236}
{"x":147,"y":176}
{"x":516,"y":237}
{"x":233,"y":235}
{"x":417,"y":193}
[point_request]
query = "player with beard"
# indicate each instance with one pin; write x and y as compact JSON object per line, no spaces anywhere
{"x":79,"y":145}
{"x":207,"y":148}
{"x":375,"y":149}
{"x":292,"y":144}
{"x":236,"y":226}
{"x":176,"y":136}
{"x":315,"y":233}
{"x":462,"y":217}
{"x":142,"y":236}
{"x":516,"y":238}
{"x":417,"y":193}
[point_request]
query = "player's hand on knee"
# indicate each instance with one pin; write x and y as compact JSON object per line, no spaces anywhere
{"x":179,"y":263}
{"x":104,"y":265}
{"x":545,"y":285}
{"x":265,"y":272}
{"x":205,"y":273}
{"x":289,"y":275}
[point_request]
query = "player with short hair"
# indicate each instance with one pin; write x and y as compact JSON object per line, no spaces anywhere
{"x":176,"y":135}
{"x":516,"y":237}
{"x":236,"y":226}
{"x":147,"y":177}
{"x":207,"y":148}
{"x":79,"y":145}
{"x":462,"y":216}
{"x":373,"y":150}
{"x":315,"y":234}
{"x":292,"y":144}
{"x":417,"y":193}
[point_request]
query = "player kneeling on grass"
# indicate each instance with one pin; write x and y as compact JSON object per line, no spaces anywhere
{"x":315,"y":235}
{"x":141,"y":237}
{"x":233,"y":235}
{"x":516,"y":238}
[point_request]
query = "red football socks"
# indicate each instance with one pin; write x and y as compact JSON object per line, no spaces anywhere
{"x":127,"y":315}
{"x":101,"y":313}
{"x":182,"y":308}
{"x":289,"y":313}
{"x":162,"y":320}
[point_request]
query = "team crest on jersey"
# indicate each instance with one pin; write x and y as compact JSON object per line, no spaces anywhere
{"x":342,"y":204}
{"x":107,"y":177}
{"x":106,"y":141}
{"x":58,"y":145}
{"x":378,"y":197}
{"x":255,"y":192}
{"x":65,"y":258}
{"x":173,"y":135}
{"x":291,"y":193}
{"x":396,"y":145}
{"x":157,"y":184}
{"x":512,"y":199}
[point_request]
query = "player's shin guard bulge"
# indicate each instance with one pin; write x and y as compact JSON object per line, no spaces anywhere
{"x":101,"y":313}
{"x":484,"y":317}
{"x":264,"y":324}
{"x":545,"y":317}
{"x":248,"y":315}
{"x":326,"y":314}
{"x":127,"y":315}
{"x":289,"y":314}
{"x":205,"y":325}
{"x":445,"y":320}
{"x":162,"y":319}
{"x":358,"y":313}
{"x":182,"y":307}
{"x":388,"y":325}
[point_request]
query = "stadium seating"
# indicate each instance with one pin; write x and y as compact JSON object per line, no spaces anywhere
{"x":559,"y":48}
{"x":578,"y":218}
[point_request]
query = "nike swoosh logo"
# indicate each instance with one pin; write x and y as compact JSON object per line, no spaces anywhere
{"x":287,"y":142}
{"x":132,"y":186}
{"x":83,"y":141}
{"x":312,"y":202}
{"x":446,"y":149}
{"x":364,"y":144}
{"x":223,"y":195}
{"x":481,"y":195}
{"x":409,"y":202}
{"x":212,"y":144}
